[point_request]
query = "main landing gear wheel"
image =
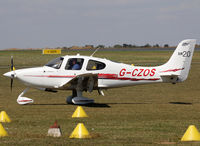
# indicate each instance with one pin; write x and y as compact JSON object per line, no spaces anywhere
{"x":77,"y":99}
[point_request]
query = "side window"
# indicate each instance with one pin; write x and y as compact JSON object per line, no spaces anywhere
{"x":74,"y":64}
{"x":95,"y":65}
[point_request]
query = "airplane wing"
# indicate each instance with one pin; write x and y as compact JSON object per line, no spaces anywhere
{"x":83,"y":82}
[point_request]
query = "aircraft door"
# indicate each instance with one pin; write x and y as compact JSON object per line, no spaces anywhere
{"x":95,"y":66}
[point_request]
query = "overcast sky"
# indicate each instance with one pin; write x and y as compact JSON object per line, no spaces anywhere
{"x":58,"y":23}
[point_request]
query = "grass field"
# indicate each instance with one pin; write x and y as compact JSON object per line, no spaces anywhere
{"x":140,"y":115}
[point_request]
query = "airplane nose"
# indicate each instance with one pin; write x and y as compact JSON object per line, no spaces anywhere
{"x":9,"y":74}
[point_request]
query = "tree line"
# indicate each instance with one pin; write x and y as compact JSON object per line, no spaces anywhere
{"x":116,"y":46}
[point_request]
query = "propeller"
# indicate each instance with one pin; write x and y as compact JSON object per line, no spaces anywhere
{"x":12,"y":68}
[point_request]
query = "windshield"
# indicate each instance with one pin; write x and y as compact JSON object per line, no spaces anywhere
{"x":56,"y":63}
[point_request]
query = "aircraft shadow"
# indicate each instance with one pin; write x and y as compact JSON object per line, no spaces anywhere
{"x":93,"y":105}
{"x":107,"y":105}
{"x":35,"y":104}
{"x":131,"y":103}
{"x":184,"y":103}
{"x":103,"y":105}
{"x":98,"y":105}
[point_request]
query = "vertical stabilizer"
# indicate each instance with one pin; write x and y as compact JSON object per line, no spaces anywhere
{"x":180,"y":61}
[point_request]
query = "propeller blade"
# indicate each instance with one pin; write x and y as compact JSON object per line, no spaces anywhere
{"x":12,"y":68}
{"x":11,"y":84}
{"x":12,"y":64}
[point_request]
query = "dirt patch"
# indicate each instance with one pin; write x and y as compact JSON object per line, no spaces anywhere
{"x":166,"y":142}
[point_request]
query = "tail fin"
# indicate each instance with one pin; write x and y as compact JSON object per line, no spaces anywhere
{"x":179,"y":64}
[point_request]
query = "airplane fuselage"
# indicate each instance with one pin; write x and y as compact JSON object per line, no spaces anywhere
{"x":113,"y":75}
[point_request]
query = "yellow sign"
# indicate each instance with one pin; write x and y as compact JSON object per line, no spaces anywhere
{"x":51,"y":51}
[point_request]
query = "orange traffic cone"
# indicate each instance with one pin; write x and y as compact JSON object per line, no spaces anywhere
{"x":80,"y":132}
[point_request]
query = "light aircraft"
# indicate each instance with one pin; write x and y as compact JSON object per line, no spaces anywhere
{"x":87,"y":73}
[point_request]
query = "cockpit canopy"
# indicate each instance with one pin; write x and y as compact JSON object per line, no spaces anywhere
{"x":76,"y":63}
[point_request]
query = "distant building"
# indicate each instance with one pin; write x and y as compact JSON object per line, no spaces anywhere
{"x":88,"y":47}
{"x":75,"y":47}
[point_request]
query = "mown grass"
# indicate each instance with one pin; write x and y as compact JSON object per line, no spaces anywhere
{"x":140,"y":115}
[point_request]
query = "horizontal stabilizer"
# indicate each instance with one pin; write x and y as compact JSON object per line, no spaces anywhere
{"x":169,"y":75}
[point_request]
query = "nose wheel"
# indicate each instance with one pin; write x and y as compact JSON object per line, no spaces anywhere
{"x":24,"y":100}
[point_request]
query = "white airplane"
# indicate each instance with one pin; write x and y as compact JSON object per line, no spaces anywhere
{"x":87,"y":73}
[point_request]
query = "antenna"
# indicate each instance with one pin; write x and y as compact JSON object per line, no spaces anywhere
{"x":95,"y":51}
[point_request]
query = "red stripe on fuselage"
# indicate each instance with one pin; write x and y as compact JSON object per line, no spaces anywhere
{"x":50,"y":76}
{"x":115,"y":77}
{"x":173,"y":70}
{"x":100,"y":76}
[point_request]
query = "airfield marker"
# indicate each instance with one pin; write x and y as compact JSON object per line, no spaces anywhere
{"x":51,"y":51}
{"x":2,"y":131}
{"x":4,"y":117}
{"x":54,"y":130}
{"x":191,"y":134}
{"x":80,"y":132}
{"x":79,"y":113}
